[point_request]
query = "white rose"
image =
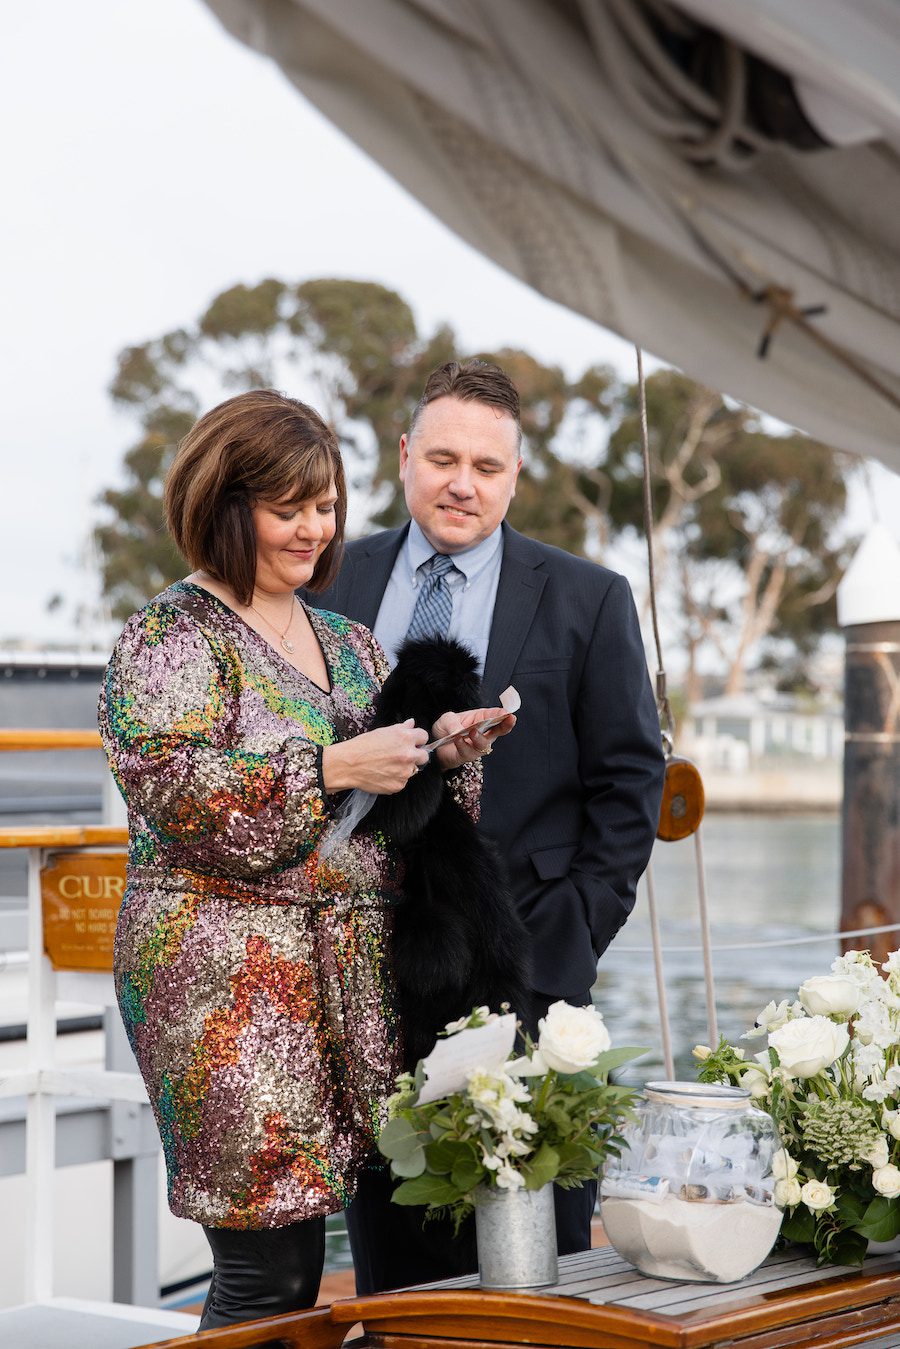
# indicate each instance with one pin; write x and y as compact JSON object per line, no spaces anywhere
{"x":572,"y":1038}
{"x":817,"y":1195}
{"x":886,"y":1181}
{"x":830,"y":995}
{"x":890,"y":1120}
{"x":787,"y":1193}
{"x":808,"y":1044}
{"x":783,"y":1165}
{"x":756,"y":1083}
{"x":879,"y":1154}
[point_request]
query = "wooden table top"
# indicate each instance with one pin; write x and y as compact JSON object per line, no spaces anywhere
{"x":602,"y":1302}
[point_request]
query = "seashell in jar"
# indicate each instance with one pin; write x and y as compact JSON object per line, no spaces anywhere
{"x":694,"y":1194}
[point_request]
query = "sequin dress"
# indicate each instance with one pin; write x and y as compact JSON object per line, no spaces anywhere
{"x":253,"y":978}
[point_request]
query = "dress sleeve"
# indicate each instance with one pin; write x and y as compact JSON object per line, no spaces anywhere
{"x":166,"y":714}
{"x":464,"y":784}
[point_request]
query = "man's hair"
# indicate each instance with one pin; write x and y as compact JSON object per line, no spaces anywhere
{"x":471,"y":381}
{"x":258,"y":446}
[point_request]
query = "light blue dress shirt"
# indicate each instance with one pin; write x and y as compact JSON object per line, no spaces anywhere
{"x":473,"y":586}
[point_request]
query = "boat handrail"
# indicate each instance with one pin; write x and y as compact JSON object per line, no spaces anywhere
{"x":64,"y":836}
{"x":18,"y":739}
{"x":36,"y":739}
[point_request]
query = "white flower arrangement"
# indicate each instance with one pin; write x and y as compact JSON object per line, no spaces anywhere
{"x":546,"y":1114}
{"x":830,"y":1076}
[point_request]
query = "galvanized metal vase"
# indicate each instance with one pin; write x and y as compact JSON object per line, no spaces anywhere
{"x":516,"y":1234}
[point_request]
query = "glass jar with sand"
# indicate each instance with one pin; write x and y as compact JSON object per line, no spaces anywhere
{"x":692,"y":1195}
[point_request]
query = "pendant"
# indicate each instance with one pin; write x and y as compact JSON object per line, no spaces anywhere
{"x":288,"y":645}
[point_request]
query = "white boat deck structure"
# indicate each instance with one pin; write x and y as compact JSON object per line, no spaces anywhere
{"x":68,"y":1323}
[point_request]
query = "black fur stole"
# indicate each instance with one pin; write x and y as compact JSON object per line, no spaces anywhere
{"x":459,"y":942}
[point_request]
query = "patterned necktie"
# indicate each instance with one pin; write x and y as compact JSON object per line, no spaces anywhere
{"x":434,"y":604}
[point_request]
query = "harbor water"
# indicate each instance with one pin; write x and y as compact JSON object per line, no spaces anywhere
{"x":773,"y":890}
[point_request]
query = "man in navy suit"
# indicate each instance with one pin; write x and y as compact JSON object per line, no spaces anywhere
{"x":571,"y":797}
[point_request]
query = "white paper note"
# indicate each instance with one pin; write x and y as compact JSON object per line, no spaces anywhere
{"x":449,"y":1064}
{"x":509,"y":701}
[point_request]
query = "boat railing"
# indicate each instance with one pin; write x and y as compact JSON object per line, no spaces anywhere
{"x":78,"y":1114}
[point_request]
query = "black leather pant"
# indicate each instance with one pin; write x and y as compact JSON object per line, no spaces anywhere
{"x":263,"y":1273}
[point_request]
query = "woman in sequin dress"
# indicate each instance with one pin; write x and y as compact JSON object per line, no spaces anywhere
{"x":253,"y":976}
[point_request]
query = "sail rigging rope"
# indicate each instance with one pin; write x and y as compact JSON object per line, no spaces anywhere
{"x":770,"y":945}
{"x":662,"y":698}
{"x":665,"y":712}
{"x":665,"y":1028}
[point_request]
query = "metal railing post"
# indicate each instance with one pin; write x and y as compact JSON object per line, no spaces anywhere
{"x":40,"y":1132}
{"x":135,"y":1247}
{"x":114,"y":810}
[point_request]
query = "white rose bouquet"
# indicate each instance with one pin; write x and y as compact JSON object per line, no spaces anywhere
{"x":830,"y":1076}
{"x":547,"y":1114}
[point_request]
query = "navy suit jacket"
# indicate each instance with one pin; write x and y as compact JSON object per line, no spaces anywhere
{"x":572,"y":796}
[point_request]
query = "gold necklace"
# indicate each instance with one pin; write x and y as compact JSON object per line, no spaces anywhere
{"x":282,"y":636}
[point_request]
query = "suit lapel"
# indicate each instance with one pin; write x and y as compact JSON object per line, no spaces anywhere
{"x":371,"y":563}
{"x":518,"y":595}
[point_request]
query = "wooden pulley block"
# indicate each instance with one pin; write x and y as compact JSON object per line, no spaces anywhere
{"x":683,"y":800}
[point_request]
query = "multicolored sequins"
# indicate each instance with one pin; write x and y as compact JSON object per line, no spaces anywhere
{"x":253,"y":978}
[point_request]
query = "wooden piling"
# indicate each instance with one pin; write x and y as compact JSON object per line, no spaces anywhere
{"x":871,"y":814}
{"x":869,"y":613}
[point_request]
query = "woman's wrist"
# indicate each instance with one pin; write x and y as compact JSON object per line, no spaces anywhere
{"x":336,"y":769}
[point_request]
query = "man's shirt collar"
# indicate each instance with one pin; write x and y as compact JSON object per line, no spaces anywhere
{"x":470,"y":562}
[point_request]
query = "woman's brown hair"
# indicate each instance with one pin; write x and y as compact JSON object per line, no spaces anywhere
{"x":257,"y":446}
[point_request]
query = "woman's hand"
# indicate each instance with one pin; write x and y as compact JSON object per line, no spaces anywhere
{"x":380,"y":761}
{"x":472,"y":746}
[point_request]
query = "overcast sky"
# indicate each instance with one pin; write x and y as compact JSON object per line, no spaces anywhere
{"x":150,"y":161}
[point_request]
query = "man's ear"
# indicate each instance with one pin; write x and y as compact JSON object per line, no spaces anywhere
{"x":515,"y":479}
{"x":404,"y":454}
